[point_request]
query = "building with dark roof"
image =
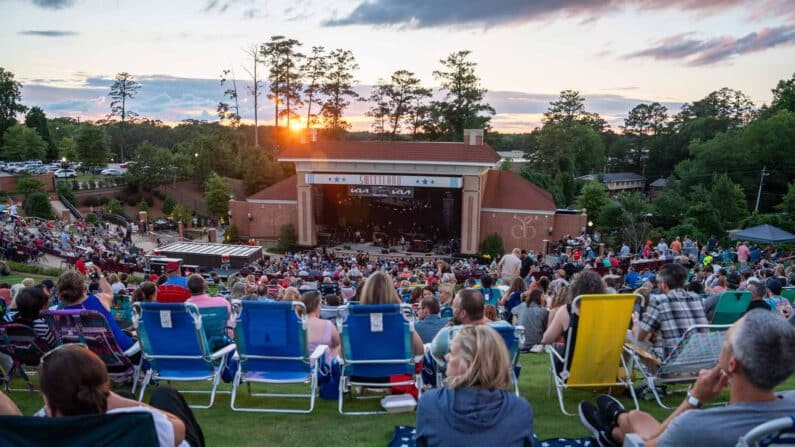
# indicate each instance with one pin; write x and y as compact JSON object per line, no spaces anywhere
{"x":418,"y":190}
{"x":617,"y":182}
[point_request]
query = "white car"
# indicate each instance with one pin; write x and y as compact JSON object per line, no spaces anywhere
{"x":65,"y":173}
{"x":110,"y":171}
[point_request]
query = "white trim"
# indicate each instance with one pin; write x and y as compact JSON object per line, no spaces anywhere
{"x":403,"y":162}
{"x":512,"y":211}
{"x":345,"y":178}
{"x":273,"y":202}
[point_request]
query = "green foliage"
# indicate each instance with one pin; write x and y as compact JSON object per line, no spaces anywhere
{"x":729,"y":201}
{"x":10,"y":101}
{"x":593,"y":197}
{"x":492,"y":245}
{"x":114,"y":207}
{"x":143,"y":206}
{"x":287,"y":237}
{"x":92,"y":219}
{"x":232,"y":234}
{"x":153,"y":165}
{"x":168,"y":205}
{"x":506,"y":165}
{"x":38,"y":204}
{"x":545,"y":182}
{"x":22,"y":143}
{"x":625,"y":219}
{"x":181,"y":213}
{"x":337,"y":87}
{"x":22,"y":267}
{"x":787,"y":204}
{"x":92,"y":146}
{"x":216,"y":194}
{"x":572,"y":147}
{"x":260,"y":171}
{"x":783,"y":221}
{"x":27,"y":185}
{"x":68,"y":149}
{"x":37,"y":120}
{"x":65,"y":190}
{"x":669,"y":207}
{"x":3,"y":196}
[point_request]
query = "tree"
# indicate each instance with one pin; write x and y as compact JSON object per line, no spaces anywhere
{"x":68,"y":149}
{"x":338,"y":90}
{"x":625,"y":218}
{"x":492,"y":246}
{"x":379,"y":108}
{"x":92,"y":146}
{"x":784,"y":95}
{"x":123,"y":89}
{"x":216,"y":195}
{"x":37,"y":120}
{"x":224,"y":110}
{"x":646,"y":119}
{"x":287,"y":237}
{"x":402,"y":92}
{"x":729,"y":201}
{"x":181,"y":213}
{"x":281,"y":55}
{"x":22,"y":143}
{"x":546,"y":183}
{"x":38,"y":205}
{"x":463,"y":106}
{"x":153,"y":165}
{"x":575,"y":148}
{"x":253,"y":90}
{"x":787,"y":204}
{"x":314,"y":71}
{"x":26,"y":185}
{"x":732,"y":107}
{"x":10,"y":101}
{"x":593,"y":197}
{"x":570,"y":109}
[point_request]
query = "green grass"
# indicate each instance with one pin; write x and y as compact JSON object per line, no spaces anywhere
{"x":16,"y":278}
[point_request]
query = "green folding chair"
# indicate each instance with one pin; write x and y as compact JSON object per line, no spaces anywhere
{"x":789,"y":293}
{"x":117,"y":430}
{"x":731,"y":306}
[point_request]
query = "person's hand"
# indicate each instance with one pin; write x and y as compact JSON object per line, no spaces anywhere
{"x":709,"y":384}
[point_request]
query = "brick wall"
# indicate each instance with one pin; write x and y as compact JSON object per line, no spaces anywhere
{"x":8,"y":182}
{"x":266,"y":218}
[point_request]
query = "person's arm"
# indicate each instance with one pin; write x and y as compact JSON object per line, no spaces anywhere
{"x":335,"y":340}
{"x":106,"y":291}
{"x":8,"y":407}
{"x":416,"y":341}
{"x":116,"y":401}
{"x":557,"y":327}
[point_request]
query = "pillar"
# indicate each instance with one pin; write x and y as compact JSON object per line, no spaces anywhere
{"x":470,"y":214}
{"x":306,"y":213}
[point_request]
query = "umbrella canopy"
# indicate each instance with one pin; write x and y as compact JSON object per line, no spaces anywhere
{"x":765,"y":234}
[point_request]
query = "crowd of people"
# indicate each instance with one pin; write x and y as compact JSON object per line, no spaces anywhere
{"x":471,"y":300}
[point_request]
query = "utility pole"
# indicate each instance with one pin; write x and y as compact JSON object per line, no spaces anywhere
{"x":759,"y":192}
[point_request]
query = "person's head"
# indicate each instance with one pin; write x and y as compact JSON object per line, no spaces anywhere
{"x":30,"y":301}
{"x":695,"y":287}
{"x":671,"y":276}
{"x":72,"y":391}
{"x":587,"y":282}
{"x":468,"y":306}
{"x":146,"y":292}
{"x":238,"y":289}
{"x":486,"y":282}
{"x":757,"y":289}
{"x":71,"y":287}
{"x":446,"y":293}
{"x":113,"y":278}
{"x":516,"y":252}
{"x":534,"y":297}
{"x":332,"y":299}
{"x":172,"y":268}
{"x":429,"y":306}
{"x":760,"y":349}
{"x":291,"y":294}
{"x":517,"y":285}
{"x":196,"y":285}
{"x":28,"y":282}
{"x":47,"y":283}
{"x":722,"y":282}
{"x":428,"y":292}
{"x":378,"y":289}
{"x":311,"y":301}
{"x":478,"y":358}
{"x":416,"y":295}
{"x":773,"y":286}
{"x":543,"y":284}
{"x":490,"y":312}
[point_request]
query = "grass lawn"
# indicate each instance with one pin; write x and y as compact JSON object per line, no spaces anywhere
{"x":325,"y":427}
{"x":16,"y":278}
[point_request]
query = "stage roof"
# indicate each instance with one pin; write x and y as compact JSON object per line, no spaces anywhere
{"x":392,"y":151}
{"x":203,"y":248}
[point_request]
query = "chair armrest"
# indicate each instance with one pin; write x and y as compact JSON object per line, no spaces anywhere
{"x":134,"y":349}
{"x":633,"y":440}
{"x":319,"y":351}
{"x":223,"y":351}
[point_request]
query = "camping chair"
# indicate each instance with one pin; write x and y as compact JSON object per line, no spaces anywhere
{"x":273,"y":342}
{"x":173,"y":342}
{"x":170,"y":293}
{"x":699,"y":348}
{"x":130,"y":429}
{"x":376,"y":343}
{"x":20,"y":342}
{"x":446,"y":312}
{"x":789,"y":293}
{"x":731,"y":306}
{"x":214,"y":324}
{"x":90,"y":328}
{"x":121,"y":309}
{"x":596,"y":361}
{"x":779,"y":431}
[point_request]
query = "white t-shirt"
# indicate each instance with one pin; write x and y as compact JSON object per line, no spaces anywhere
{"x":165,"y":431}
{"x":510,"y":265}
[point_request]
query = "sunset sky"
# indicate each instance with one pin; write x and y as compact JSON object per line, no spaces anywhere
{"x":618,"y":53}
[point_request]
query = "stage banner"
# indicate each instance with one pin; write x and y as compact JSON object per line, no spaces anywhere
{"x":384,"y":180}
{"x":397,"y":192}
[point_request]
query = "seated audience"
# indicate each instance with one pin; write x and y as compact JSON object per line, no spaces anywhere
{"x":774,"y":299}
{"x":513,"y":296}
{"x":758,"y":293}
{"x":531,"y":314}
{"x":321,"y":332}
{"x":475,"y":408}
{"x":378,"y":289}
{"x":429,"y":321}
{"x":146,"y":292}
{"x":199,"y":297}
{"x":30,"y":302}
{"x":174,"y":276}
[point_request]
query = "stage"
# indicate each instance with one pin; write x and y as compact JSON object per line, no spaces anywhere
{"x":395,"y":252}
{"x":205,"y":254}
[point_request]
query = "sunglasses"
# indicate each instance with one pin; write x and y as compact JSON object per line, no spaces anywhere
{"x":58,"y":348}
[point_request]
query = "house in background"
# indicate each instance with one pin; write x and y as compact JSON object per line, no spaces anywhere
{"x":618,"y":182}
{"x":656,"y":187}
{"x":515,"y":159}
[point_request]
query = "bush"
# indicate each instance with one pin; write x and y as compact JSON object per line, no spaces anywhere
{"x":63,"y":189}
{"x":168,"y":205}
{"x":287,"y":237}
{"x":232,"y":234}
{"x":114,"y":207}
{"x":143,"y":206}
{"x":91,"y":201}
{"x":492,"y":246}
{"x":133,"y":199}
{"x":38,"y":205}
{"x":3,"y":196}
{"x":22,"y":267}
{"x":28,"y":185}
{"x":92,"y":219}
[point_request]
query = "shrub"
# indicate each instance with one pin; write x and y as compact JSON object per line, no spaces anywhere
{"x":492,"y":246}
{"x":3,"y":196}
{"x":168,"y":205}
{"x":91,"y":201}
{"x":22,"y":267}
{"x":143,"y":206}
{"x":28,"y":185}
{"x":232,"y":234}
{"x":114,"y":207}
{"x":38,"y":205}
{"x":92,"y":219}
{"x":287,"y":237}
{"x":159,"y":194}
{"x":63,"y":189}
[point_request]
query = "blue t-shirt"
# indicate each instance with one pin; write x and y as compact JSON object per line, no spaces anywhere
{"x":177,"y":281}
{"x":92,"y":303}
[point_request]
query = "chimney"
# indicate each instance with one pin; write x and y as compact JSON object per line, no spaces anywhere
{"x":473,"y":137}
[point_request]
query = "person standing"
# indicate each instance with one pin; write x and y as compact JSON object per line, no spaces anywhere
{"x":509,"y":266}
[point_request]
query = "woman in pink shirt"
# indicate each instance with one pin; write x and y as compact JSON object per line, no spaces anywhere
{"x":321,"y":332}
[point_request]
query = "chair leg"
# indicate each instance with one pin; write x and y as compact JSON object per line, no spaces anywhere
{"x":235,"y":385}
{"x":656,"y":395}
{"x":147,"y":379}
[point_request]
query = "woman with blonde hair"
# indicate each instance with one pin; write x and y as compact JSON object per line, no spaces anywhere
{"x":475,"y":407}
{"x":379,"y":289}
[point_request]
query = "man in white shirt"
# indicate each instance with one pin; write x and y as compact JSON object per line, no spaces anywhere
{"x":509,"y":266}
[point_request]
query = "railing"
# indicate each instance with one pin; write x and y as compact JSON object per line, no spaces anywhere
{"x":69,"y":205}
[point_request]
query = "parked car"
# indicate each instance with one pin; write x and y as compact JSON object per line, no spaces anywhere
{"x":110,"y":171}
{"x":164,"y":224}
{"x":65,"y":173}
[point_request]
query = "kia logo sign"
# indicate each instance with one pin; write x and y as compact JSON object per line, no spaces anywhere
{"x":380,"y":191}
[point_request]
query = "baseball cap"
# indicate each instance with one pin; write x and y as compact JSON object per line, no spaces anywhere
{"x":153,"y":277}
{"x":172,"y":266}
{"x":773,"y":285}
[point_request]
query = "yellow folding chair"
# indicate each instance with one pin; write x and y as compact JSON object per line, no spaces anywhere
{"x":597,"y":360}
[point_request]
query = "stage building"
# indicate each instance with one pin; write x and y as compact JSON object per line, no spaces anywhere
{"x":385,"y":190}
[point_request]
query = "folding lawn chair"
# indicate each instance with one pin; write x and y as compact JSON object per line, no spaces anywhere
{"x":19,"y":341}
{"x":789,"y":293}
{"x":173,"y":342}
{"x":121,"y":309}
{"x":596,"y":361}
{"x":273,"y":345}
{"x":731,"y":306}
{"x":172,"y":294}
{"x":777,"y":432}
{"x":90,"y":328}
{"x":699,"y":348}
{"x":214,"y":324}
{"x":130,"y":429}
{"x":376,"y":345}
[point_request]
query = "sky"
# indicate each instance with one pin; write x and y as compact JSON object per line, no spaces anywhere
{"x":617,"y":53}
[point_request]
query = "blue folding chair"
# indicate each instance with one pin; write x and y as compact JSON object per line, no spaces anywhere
{"x":376,"y":345}
{"x":779,"y":431}
{"x":214,"y":323}
{"x":173,"y":342}
{"x":273,"y":345}
{"x":447,"y":312}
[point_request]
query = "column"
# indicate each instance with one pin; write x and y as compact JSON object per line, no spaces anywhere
{"x":306,"y":213}
{"x":470,"y":214}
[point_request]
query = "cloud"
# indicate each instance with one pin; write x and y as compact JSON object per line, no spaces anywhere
{"x":424,"y":13}
{"x":700,"y":52}
{"x":48,"y":33}
{"x":54,"y":4}
{"x":172,"y":99}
